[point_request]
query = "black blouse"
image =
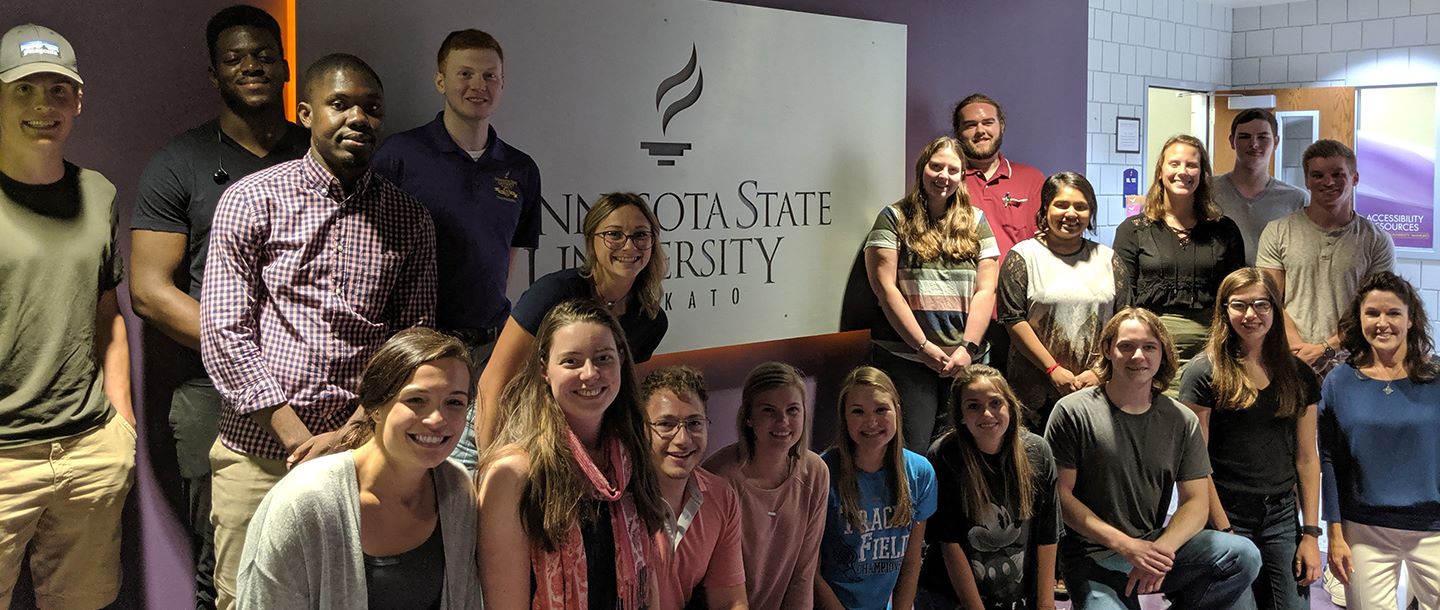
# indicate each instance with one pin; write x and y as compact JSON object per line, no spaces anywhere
{"x":1171,"y":275}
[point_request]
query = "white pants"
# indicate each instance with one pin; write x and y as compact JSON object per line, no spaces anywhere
{"x":1377,"y":553}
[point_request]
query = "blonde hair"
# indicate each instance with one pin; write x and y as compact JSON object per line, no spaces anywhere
{"x":1155,"y":202}
{"x":895,"y":469}
{"x":646,"y":289}
{"x":764,"y":377}
{"x":955,"y":236}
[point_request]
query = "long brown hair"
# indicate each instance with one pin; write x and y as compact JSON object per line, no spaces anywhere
{"x":1205,"y":206}
{"x":1169,"y":362}
{"x":553,"y":497}
{"x":768,"y":376}
{"x":1017,"y":475}
{"x":1233,"y":388}
{"x":1420,"y":364}
{"x":847,"y":483}
{"x":647,"y":286}
{"x":954,"y":237}
{"x":390,"y":368}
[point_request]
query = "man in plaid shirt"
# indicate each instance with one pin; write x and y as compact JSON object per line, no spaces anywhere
{"x":313,"y":264}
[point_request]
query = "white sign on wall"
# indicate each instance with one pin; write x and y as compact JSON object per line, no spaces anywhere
{"x":765,"y":140}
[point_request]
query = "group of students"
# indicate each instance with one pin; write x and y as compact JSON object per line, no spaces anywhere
{"x":576,"y":484}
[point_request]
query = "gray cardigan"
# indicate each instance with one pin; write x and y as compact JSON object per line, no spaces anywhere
{"x":303,"y":546}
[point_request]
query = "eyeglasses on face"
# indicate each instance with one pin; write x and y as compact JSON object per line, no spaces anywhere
{"x":615,"y":240}
{"x":1259,"y":305}
{"x":667,"y":427}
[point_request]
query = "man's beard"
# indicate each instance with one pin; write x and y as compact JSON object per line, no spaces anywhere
{"x":971,"y":152}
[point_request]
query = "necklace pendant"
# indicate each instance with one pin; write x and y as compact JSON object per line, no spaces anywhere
{"x":1387,"y":390}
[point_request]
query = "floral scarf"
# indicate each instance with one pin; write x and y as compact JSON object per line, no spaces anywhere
{"x":561,"y":582}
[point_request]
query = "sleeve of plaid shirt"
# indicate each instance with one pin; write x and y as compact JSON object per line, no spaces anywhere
{"x":415,"y":296}
{"x":229,"y":303}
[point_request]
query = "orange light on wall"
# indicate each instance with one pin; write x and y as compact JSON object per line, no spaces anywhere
{"x":289,"y":28}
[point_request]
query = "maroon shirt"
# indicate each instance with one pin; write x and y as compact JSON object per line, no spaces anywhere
{"x":1009,"y":199}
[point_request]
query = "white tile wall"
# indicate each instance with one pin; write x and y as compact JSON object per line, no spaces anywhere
{"x":1196,"y":44}
{"x":1182,"y":43}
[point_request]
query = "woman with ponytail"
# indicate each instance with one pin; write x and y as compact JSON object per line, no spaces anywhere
{"x":386,"y":522}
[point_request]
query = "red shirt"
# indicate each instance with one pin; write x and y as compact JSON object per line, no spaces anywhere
{"x":1009,"y":199}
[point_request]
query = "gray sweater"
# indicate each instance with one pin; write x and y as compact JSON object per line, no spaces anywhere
{"x":303,"y":546}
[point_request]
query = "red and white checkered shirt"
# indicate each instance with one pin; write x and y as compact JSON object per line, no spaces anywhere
{"x":303,"y":282}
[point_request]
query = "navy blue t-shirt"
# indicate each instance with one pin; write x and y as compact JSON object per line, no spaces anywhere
{"x":641,"y":332}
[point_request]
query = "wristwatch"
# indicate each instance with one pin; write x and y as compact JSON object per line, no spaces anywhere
{"x":1329,"y":354}
{"x":1311,"y":530}
{"x":972,"y":348}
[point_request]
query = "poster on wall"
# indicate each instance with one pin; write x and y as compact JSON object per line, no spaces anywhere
{"x":1395,"y":150}
{"x":765,"y":140}
{"x":1397,"y":189}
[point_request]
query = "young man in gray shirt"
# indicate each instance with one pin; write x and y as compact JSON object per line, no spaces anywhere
{"x":1317,"y":256}
{"x":1121,"y":447}
{"x":1249,"y":195}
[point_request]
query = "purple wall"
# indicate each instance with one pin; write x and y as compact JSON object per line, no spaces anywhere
{"x":144,"y":65}
{"x":1030,"y":55}
{"x":145,"y":81}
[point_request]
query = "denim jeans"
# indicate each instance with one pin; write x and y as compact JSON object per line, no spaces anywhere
{"x":465,"y":450}
{"x":1212,"y":571}
{"x":1270,"y":522}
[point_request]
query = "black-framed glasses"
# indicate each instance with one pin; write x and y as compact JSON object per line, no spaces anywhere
{"x":615,"y":240}
{"x":1259,"y":305}
{"x":667,"y":427}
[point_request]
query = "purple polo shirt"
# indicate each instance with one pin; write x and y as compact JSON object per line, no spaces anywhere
{"x":481,"y":208}
{"x":1009,"y":199}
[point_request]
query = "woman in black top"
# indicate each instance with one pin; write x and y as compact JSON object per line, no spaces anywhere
{"x":622,"y":271}
{"x":1179,"y":248}
{"x":1256,"y":404}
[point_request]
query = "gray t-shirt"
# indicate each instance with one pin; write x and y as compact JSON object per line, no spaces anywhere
{"x":1277,"y":200}
{"x":1088,"y":433}
{"x":1323,"y":268}
{"x":57,"y":256}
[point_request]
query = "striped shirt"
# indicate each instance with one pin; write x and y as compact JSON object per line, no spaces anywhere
{"x":937,"y":291}
{"x":303,"y":283}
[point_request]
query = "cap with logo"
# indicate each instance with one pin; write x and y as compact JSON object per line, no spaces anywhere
{"x":33,"y":49}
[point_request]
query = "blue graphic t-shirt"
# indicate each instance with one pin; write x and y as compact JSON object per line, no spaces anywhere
{"x":862,"y":566}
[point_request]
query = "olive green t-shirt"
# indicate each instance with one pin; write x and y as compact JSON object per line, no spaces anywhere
{"x":57,"y":255}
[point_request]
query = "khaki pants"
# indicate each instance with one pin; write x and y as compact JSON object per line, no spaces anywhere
{"x":238,"y":483}
{"x":1377,"y":553}
{"x":63,"y":498}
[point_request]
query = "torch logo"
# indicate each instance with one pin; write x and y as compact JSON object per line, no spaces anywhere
{"x":667,"y":150}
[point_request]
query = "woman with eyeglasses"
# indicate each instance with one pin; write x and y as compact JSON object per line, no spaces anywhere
{"x":1380,"y":447}
{"x":1256,"y":405}
{"x":931,"y":262}
{"x":880,"y":496}
{"x":622,"y":271}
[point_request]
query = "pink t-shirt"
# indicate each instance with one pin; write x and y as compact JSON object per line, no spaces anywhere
{"x":709,"y":552}
{"x":780,"y":529}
